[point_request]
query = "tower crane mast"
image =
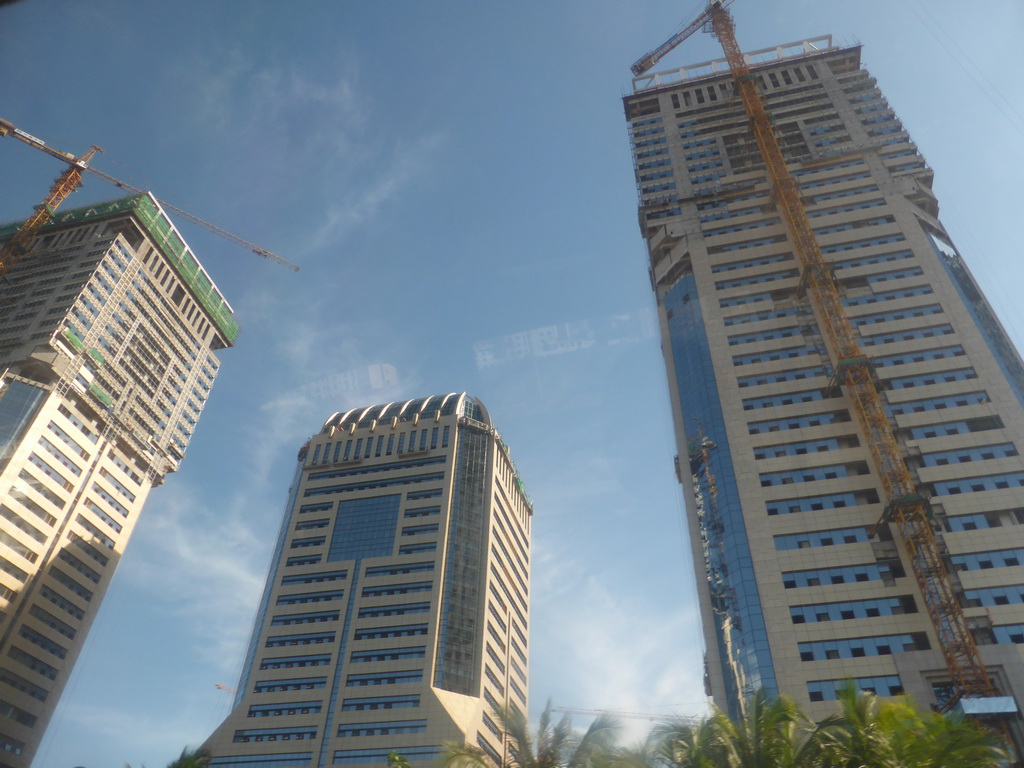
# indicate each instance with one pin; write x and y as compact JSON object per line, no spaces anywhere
{"x":905,"y":506}
{"x":68,"y":182}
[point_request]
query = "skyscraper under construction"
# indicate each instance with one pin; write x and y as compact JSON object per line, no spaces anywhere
{"x":108,"y":328}
{"x":805,"y":580}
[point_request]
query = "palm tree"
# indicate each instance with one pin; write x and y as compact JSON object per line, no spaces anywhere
{"x":553,"y":745}
{"x":774,"y":733}
{"x":687,"y":744}
{"x":191,"y":758}
{"x":870,"y":733}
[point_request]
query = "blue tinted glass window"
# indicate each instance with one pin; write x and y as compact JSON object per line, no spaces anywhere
{"x":996,"y":595}
{"x":938,"y":403}
{"x":846,"y":574}
{"x":857,"y":647}
{"x":978,"y":561}
{"x":806,"y":475}
{"x":896,"y":314}
{"x":755,"y":262}
{"x":897,"y":336}
{"x":797,"y":422}
{"x":1009,"y":633}
{"x":927,"y":379}
{"x":966,"y":455}
{"x":828,"y":690}
{"x":814,"y":503}
{"x":774,"y":333}
{"x":365,"y":528}
{"x":821,"y":538}
{"x":874,"y":298}
{"x":979,"y":484}
{"x":852,"y":609}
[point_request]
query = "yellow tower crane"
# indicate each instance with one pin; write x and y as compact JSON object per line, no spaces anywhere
{"x":905,"y":506}
{"x":68,"y":182}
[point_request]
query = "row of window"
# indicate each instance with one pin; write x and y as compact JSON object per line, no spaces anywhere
{"x":794,"y":374}
{"x":757,"y":261}
{"x":852,"y":648}
{"x":821,"y":538}
{"x":393,"y":466}
{"x":810,"y":474}
{"x":965,"y":455}
{"x":924,"y":380}
{"x":296,"y":733}
{"x":852,"y":609}
{"x":976,"y":561}
{"x":828,"y":690}
{"x":377,"y":483}
{"x":984,"y":520}
{"x":311,"y":597}
{"x":820,"y":503}
{"x":384,"y":678}
{"x":845,"y":574}
{"x":797,"y":422}
{"x":769,"y":335}
{"x":790,"y":398}
{"x":874,"y":298}
{"x":289,"y":662}
{"x":979,"y":484}
{"x":911,"y":335}
{"x":383,"y":728}
{"x":758,"y":224}
{"x":768,"y":314}
{"x":775,"y":355}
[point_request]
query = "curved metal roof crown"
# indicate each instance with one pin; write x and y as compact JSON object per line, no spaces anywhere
{"x":423,"y":406}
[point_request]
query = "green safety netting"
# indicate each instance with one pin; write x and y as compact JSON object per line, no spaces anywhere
{"x":159,"y":228}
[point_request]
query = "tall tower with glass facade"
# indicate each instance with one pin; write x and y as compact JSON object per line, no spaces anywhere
{"x":108,"y":328}
{"x":799,"y":590}
{"x":396,"y":611}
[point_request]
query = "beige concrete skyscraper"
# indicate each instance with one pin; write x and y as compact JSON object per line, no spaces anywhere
{"x":396,"y":611}
{"x":798,"y":590}
{"x":107,"y":333}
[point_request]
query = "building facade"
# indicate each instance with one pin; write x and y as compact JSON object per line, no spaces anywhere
{"x":798,"y":590}
{"x":108,"y":328}
{"x":396,"y":611}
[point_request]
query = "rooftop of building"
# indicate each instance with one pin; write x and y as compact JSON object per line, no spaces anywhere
{"x":424,"y":407}
{"x":146,"y":210}
{"x":419,"y":409}
{"x":813,"y":46}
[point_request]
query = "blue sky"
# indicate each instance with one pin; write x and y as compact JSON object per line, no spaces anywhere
{"x":450,"y":176}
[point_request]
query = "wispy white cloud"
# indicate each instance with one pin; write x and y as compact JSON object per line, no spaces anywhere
{"x":155,"y":730}
{"x":292,"y":130}
{"x":356,"y":208}
{"x":207,"y":565}
{"x":608,"y":650}
{"x":277,"y":108}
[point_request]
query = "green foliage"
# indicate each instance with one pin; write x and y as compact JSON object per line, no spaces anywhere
{"x":872,"y":733}
{"x":555,"y":745}
{"x":189,"y":758}
{"x":867,"y":732}
{"x":773,"y":734}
